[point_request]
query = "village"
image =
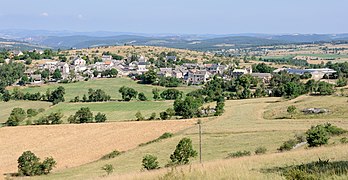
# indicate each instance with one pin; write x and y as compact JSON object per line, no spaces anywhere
{"x":192,"y":73}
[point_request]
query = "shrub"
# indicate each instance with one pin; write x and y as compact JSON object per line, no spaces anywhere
{"x":29,"y":165}
{"x":139,"y":116}
{"x":108,"y":168}
{"x":153,"y":116}
{"x":16,"y":117}
{"x":288,"y":145}
{"x":111,"y":155}
{"x":32,"y":112}
{"x":239,"y":154}
{"x":100,"y":117}
{"x":317,"y":136}
{"x":260,"y":150}
{"x":163,"y":136}
{"x":142,"y":97}
{"x":334,"y":130}
{"x":344,"y":140}
{"x":291,"y":110}
{"x":84,"y":115}
{"x":150,"y":162}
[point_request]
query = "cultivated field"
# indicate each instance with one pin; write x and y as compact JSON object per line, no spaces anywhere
{"x":241,"y":127}
{"x":77,"y":144}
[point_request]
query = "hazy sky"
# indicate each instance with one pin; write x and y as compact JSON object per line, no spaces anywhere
{"x":178,"y":16}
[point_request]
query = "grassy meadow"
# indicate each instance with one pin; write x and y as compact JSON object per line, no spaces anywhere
{"x":114,"y":110}
{"x":241,"y":127}
{"x":110,"y":86}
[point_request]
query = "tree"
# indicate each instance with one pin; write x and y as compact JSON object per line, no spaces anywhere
{"x":84,"y":115}
{"x":341,"y":82}
{"x":171,"y":94}
{"x":291,"y":110}
{"x":142,"y":97}
{"x":220,"y":104}
{"x":29,"y":164}
{"x":164,"y":115}
{"x":100,"y":117}
{"x":6,"y":96}
{"x":317,"y":136}
{"x":188,"y":107}
{"x":57,"y":95}
{"x":156,"y":94}
{"x":139,"y":116}
{"x":170,"y":112}
{"x":183,"y":152}
{"x":16,"y":117}
{"x":153,"y":116}
{"x":128,"y":93}
{"x":57,"y":74}
{"x":150,"y":162}
{"x":45,"y":74}
{"x":149,"y":77}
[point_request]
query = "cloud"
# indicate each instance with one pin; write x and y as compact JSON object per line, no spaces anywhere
{"x":44,"y":14}
{"x":80,"y":16}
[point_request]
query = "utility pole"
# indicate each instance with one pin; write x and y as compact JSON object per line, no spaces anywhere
{"x":200,"y":140}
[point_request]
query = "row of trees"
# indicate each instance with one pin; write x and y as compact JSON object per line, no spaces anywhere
{"x":56,"y":96}
{"x":93,"y":96}
{"x":84,"y":115}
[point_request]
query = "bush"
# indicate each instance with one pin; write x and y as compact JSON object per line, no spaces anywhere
{"x":239,"y":154}
{"x":260,"y":150}
{"x":344,"y":140}
{"x":29,"y":165}
{"x":334,"y":130}
{"x":183,"y":152}
{"x":139,"y":116}
{"x":317,"y":136}
{"x":53,"y":118}
{"x":163,"y":136}
{"x":100,"y":117}
{"x":150,"y":162}
{"x":32,"y":112}
{"x":142,"y":97}
{"x":152,"y":117}
{"x":288,"y":145}
{"x":108,"y":168}
{"x":84,"y":115}
{"x":111,"y":155}
{"x":16,"y":117}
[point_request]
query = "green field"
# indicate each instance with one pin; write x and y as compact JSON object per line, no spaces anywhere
{"x":6,"y":107}
{"x":326,"y":56}
{"x":242,"y":127}
{"x":115,"y":111}
{"x":110,"y":86}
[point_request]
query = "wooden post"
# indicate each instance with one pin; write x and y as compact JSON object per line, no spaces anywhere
{"x":200,"y":140}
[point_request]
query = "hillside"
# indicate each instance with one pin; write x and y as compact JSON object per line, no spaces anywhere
{"x":242,"y":127}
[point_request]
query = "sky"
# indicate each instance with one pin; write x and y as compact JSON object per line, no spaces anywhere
{"x":177,"y":16}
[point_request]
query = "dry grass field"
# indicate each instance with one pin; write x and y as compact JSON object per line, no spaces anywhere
{"x":74,"y":145}
{"x":146,"y":51}
{"x":241,"y":127}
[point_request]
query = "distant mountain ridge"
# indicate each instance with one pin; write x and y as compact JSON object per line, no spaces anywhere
{"x":70,"y":39}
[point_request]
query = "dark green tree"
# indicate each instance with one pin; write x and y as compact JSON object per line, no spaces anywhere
{"x":150,"y":162}
{"x":100,"y":117}
{"x":183,"y":152}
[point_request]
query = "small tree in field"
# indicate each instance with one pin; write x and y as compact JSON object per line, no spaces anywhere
{"x":183,"y":152}
{"x":142,"y":97}
{"x":150,"y":162}
{"x":139,"y":116}
{"x":317,"y":136}
{"x":29,"y":165}
{"x":100,"y":117}
{"x":108,"y":168}
{"x":291,"y":110}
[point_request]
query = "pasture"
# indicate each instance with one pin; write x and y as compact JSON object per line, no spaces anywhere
{"x":110,"y":86}
{"x":241,"y":127}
